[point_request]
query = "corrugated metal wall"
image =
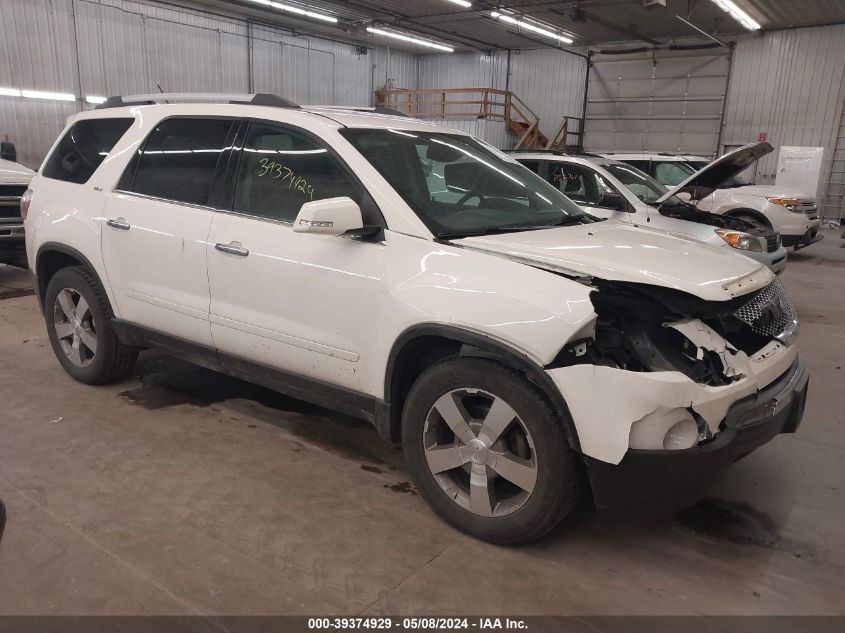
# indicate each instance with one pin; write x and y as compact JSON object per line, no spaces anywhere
{"x":128,"y":46}
{"x":550,"y":82}
{"x":790,"y":85}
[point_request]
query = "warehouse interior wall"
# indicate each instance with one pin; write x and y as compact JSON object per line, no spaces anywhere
{"x":118,"y":47}
{"x":790,"y":86}
{"x":787,"y":84}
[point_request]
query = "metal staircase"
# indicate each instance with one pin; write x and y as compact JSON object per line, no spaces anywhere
{"x":482,"y":103}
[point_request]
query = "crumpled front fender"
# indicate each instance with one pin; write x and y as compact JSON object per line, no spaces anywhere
{"x":605,"y":402}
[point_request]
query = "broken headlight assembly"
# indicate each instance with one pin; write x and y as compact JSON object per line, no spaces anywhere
{"x":648,"y":328}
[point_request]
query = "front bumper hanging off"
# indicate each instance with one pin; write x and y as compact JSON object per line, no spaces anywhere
{"x":798,"y":242}
{"x":647,"y":484}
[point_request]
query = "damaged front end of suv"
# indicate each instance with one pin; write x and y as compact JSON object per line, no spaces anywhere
{"x":686,"y":387}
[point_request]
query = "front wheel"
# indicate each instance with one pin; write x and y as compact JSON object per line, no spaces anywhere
{"x":487,"y":452}
{"x":79,"y":326}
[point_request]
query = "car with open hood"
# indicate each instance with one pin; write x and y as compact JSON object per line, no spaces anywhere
{"x":14,"y":180}
{"x":720,"y":187}
{"x":616,"y":190}
{"x":519,"y":349}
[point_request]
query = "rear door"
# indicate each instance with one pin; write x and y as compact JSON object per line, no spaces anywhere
{"x":156,"y":227}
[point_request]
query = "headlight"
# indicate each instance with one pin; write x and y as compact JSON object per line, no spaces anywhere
{"x":793,"y":204}
{"x":740,"y":240}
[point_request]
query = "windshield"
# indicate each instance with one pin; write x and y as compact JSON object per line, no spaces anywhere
{"x":740,"y":180}
{"x":644,"y":187}
{"x":460,"y":187}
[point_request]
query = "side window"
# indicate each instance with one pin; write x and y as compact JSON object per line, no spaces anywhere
{"x":533,"y":165}
{"x":643,"y":165}
{"x":670,"y":174}
{"x":580,"y":184}
{"x":570,"y":180}
{"x":179,"y":159}
{"x":282,"y":169}
{"x":83,"y":148}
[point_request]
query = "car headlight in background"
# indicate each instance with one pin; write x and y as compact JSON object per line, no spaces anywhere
{"x":793,"y":204}
{"x":742,"y":241}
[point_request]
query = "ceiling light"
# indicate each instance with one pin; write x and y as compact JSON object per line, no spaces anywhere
{"x":737,"y":14}
{"x":463,"y":3}
{"x":55,"y":96}
{"x":10,"y":92}
{"x":94,"y":100}
{"x":524,"y":25}
{"x":411,"y":40}
{"x":296,"y":10}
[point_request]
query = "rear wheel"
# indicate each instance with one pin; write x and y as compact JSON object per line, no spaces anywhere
{"x":79,"y":326}
{"x":487,"y":452}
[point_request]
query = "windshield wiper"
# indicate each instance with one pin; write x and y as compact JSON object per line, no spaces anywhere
{"x":495,"y":230}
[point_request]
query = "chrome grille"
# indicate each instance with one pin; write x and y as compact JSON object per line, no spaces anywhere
{"x":770,"y":312}
{"x":772,"y":242}
{"x":808,"y":208}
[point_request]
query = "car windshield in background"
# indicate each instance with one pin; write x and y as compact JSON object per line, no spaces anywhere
{"x":459,"y":187}
{"x":641,"y":185}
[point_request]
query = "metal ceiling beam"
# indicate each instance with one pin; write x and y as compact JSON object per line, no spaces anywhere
{"x":630,"y":32}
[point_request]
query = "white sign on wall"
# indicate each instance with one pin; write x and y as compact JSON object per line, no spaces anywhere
{"x":800,"y":168}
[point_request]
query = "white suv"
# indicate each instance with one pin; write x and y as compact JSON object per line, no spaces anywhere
{"x":417,"y":278}
{"x":791,"y":213}
{"x":619,"y":191}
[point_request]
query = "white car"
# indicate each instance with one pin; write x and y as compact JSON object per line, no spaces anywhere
{"x":417,"y":278}
{"x":791,"y":213}
{"x":14,"y":180}
{"x":616,"y":190}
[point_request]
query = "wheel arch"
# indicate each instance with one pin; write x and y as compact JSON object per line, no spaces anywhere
{"x":748,"y":211}
{"x":51,"y":258}
{"x":421,"y":345}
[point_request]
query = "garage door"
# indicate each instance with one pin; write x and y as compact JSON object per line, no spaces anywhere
{"x":668,"y":101}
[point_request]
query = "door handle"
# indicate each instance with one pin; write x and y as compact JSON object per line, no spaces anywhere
{"x":119,"y":223}
{"x":233,"y":248}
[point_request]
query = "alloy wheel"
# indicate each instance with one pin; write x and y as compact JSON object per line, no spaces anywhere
{"x":74,"y":325}
{"x":480,"y":452}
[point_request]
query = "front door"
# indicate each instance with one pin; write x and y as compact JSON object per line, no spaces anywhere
{"x":302,"y":303}
{"x":156,"y":227}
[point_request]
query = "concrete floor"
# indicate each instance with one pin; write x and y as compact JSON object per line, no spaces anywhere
{"x":182,"y":492}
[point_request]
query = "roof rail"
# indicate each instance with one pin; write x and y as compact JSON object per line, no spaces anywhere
{"x":557,"y":152}
{"x":374,"y":110}
{"x":259,"y":99}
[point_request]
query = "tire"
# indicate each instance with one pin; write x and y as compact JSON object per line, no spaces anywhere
{"x":487,"y":395}
{"x":85,"y":344}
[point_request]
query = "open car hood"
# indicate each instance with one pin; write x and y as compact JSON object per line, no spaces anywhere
{"x":705,"y":181}
{"x":617,"y":251}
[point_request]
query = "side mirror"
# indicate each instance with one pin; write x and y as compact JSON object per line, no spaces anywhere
{"x":8,"y":151}
{"x":613,"y":201}
{"x":332,"y":216}
{"x":684,"y":196}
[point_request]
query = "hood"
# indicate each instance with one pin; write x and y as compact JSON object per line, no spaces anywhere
{"x":14,"y":174}
{"x":705,"y":181}
{"x":772,"y":191}
{"x":618,"y":251}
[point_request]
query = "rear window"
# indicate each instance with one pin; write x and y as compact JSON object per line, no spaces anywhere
{"x":81,"y":150}
{"x":179,"y":159}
